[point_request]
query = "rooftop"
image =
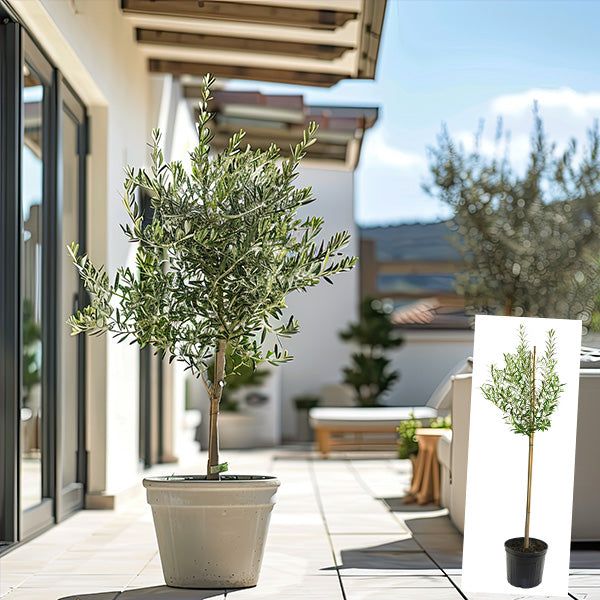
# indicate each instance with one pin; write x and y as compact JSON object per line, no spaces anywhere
{"x":412,"y":242}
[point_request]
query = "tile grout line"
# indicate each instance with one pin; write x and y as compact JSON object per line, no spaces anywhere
{"x":134,"y":577}
{"x":364,"y":484}
{"x":315,"y":483}
{"x":454,"y":585}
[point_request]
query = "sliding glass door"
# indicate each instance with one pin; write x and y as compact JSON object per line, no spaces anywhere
{"x":38,"y":156}
{"x":42,"y":368}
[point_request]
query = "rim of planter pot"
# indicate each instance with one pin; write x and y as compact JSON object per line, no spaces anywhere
{"x":522,"y":553}
{"x":225,"y":480}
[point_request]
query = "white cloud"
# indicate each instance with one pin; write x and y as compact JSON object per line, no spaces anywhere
{"x":580,"y":104}
{"x":378,"y":152}
{"x":518,"y":144}
{"x":565,"y":113}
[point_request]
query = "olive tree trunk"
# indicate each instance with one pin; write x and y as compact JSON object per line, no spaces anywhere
{"x":216,"y":391}
{"x":530,"y":460}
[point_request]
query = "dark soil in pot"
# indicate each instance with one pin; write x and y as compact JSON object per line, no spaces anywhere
{"x":525,"y":568}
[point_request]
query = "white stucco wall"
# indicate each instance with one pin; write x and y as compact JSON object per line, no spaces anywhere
{"x":94,"y":48}
{"x":326,"y":309}
{"x":424,"y":359}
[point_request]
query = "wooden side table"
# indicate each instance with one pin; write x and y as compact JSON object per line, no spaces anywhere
{"x":425,"y":487}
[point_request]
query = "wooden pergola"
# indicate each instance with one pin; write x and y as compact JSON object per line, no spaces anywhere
{"x":304,"y":42}
{"x":280,"y":119}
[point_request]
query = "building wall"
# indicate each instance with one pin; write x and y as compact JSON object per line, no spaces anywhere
{"x":94,"y":48}
{"x":326,"y":309}
{"x":424,"y":359}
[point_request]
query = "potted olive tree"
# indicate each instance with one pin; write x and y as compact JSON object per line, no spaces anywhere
{"x":222,"y":248}
{"x":527,"y":392}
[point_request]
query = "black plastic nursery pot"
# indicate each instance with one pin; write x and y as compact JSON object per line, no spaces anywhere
{"x":525,"y":568}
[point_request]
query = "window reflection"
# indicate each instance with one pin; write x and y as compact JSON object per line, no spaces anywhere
{"x":32,"y":198}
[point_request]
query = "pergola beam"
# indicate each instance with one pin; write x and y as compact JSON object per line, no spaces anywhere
{"x":245,"y":12}
{"x":180,"y":68}
{"x":238,"y":44}
{"x":320,"y":151}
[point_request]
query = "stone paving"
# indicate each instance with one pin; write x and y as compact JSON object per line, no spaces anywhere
{"x":332,"y":537}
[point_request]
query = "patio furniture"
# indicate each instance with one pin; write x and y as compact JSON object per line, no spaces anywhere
{"x":346,"y":428}
{"x":425,"y":487}
{"x":361,"y":428}
{"x":453,"y":447}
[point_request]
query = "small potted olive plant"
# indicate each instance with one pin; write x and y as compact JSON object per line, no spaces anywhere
{"x":527,"y":392}
{"x":217,"y":256}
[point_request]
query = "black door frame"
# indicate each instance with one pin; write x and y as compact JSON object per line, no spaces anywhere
{"x":16,"y":48}
{"x":39,"y":517}
{"x":69,"y":106}
{"x":10,"y":256}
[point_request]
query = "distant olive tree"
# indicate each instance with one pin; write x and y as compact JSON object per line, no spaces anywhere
{"x":529,"y":240}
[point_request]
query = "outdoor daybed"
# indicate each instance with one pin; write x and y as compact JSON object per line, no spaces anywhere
{"x":352,"y":428}
{"x":349,"y":428}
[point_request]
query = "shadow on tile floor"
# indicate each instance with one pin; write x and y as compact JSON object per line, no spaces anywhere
{"x":160,"y":592}
{"x":585,"y":555}
{"x":400,"y":504}
{"x":399,"y":555}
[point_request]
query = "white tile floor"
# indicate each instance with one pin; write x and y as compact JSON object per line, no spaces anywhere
{"x":331,"y":537}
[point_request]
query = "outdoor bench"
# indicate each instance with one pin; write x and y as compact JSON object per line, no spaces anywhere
{"x":349,"y":428}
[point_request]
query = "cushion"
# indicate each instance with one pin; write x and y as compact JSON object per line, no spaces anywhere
{"x":368,"y":416}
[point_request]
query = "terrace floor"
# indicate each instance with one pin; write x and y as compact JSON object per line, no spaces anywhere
{"x":331,"y":537}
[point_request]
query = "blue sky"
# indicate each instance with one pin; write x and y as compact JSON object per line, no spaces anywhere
{"x":458,"y":62}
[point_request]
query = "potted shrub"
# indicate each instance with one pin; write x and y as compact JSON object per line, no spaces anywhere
{"x":219,"y":252}
{"x":303,"y":407}
{"x":370,"y":373}
{"x":527,"y":392}
{"x":408,"y":446}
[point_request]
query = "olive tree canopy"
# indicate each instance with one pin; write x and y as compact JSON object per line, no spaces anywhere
{"x":530,"y":240}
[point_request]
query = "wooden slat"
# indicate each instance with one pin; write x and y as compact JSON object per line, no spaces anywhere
{"x":236,"y":44}
{"x":445,"y":299}
{"x":238,"y":72}
{"x":319,"y":151}
{"x":370,"y":38}
{"x":418,"y":267}
{"x":244,"y":12}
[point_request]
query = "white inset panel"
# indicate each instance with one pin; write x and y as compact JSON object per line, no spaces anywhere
{"x":498,"y":460}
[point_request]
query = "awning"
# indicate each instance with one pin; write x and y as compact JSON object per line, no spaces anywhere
{"x":305,"y":42}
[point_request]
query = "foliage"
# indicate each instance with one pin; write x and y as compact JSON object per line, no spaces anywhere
{"x":32,"y":335}
{"x":529,"y":241}
{"x":407,"y":440}
{"x":594,"y":324}
{"x":306,"y":402}
{"x":527,"y":393}
{"x":441,"y":423}
{"x":369,"y":374}
{"x":238,"y":375}
{"x":223,"y":249}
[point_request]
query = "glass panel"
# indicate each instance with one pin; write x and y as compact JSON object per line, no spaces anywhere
{"x":32,"y":202}
{"x":69,"y":292}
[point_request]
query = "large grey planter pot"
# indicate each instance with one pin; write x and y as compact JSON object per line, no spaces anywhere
{"x":211,"y":534}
